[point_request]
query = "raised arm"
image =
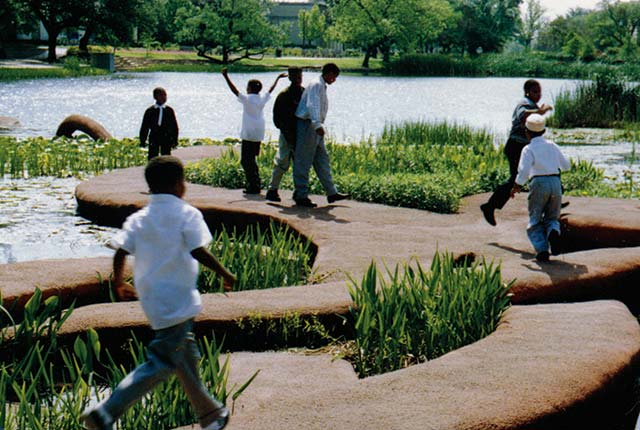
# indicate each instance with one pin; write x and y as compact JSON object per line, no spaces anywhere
{"x":232,"y":87}
{"x":280,"y":76}
{"x":207,"y":259}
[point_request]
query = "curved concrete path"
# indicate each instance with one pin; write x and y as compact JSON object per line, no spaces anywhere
{"x":560,"y":359}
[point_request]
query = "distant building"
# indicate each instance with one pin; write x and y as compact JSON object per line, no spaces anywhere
{"x":286,"y":11}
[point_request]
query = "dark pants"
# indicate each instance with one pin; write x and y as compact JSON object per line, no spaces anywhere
{"x":248,"y":153}
{"x":158,"y":149}
{"x":502,"y":193}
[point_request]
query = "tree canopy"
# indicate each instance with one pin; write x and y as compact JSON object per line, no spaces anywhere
{"x":230,"y":27}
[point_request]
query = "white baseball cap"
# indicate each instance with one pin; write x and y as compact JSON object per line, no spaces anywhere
{"x":535,"y":122}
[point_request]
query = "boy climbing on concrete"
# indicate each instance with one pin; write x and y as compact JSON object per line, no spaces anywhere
{"x":168,"y":238}
{"x":541,"y":163}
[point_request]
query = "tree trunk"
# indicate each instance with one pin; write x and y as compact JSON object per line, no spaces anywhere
{"x":84,"y":40}
{"x":367,"y":55}
{"x":225,"y":56}
{"x":52,"y":43}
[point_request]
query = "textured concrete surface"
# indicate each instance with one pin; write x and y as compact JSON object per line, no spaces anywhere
{"x":545,"y":366}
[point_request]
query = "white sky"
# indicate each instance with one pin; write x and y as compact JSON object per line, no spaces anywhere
{"x":560,"y":7}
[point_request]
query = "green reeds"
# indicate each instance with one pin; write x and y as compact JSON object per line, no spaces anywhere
{"x":409,"y":315}
{"x":606,"y":101}
{"x":414,"y":164}
{"x":62,"y":157}
{"x":49,"y":385}
{"x":260,"y":259}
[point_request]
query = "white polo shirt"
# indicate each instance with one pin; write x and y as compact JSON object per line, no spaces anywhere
{"x":541,"y":157}
{"x":161,"y":237}
{"x":253,"y":116}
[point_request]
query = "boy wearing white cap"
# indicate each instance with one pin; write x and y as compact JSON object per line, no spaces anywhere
{"x":541,"y":163}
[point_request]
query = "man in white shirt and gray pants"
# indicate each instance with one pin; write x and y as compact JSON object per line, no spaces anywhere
{"x":310,"y":147}
{"x":541,"y":162}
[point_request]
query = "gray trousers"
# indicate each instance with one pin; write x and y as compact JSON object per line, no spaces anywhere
{"x":281,"y":162}
{"x":545,"y":201}
{"x":173,"y":350}
{"x":310,"y":150}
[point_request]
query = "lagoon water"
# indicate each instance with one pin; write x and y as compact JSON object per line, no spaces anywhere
{"x":37,"y":217}
{"x":359,"y":106}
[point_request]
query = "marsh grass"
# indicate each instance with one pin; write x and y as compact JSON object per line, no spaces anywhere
{"x":409,"y":315}
{"x":49,"y":385}
{"x":606,"y":101}
{"x":64,"y":157}
{"x":260,"y":259}
{"x":419,"y":165}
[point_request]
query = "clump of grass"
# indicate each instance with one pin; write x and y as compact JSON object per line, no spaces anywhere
{"x":606,"y":101}
{"x":16,"y":74}
{"x":260,"y":259}
{"x":412,"y":315}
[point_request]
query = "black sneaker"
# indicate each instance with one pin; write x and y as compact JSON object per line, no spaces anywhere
{"x":95,"y":419}
{"x":272,"y":195}
{"x":488,"y":213}
{"x":543,"y":257}
{"x":305,"y":202}
{"x":336,"y":197}
{"x":554,"y":242}
{"x":220,"y":422}
{"x":251,"y":190}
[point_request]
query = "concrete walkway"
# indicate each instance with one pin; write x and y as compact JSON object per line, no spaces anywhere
{"x":547,"y":366}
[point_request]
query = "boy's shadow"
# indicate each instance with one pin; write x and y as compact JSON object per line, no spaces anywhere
{"x":557,"y":270}
{"x":322,"y":213}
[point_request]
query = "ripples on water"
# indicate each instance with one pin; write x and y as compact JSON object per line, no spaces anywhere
{"x":38,"y":221}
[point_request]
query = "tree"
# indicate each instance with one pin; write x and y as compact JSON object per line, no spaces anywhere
{"x":384,"y":24}
{"x":111,"y":21}
{"x":533,"y":21}
{"x":233,"y":27}
{"x":622,"y":23}
{"x":312,"y":24}
{"x":487,"y":24}
{"x":56,"y":16}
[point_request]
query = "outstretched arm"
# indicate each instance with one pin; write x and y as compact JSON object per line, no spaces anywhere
{"x":232,"y":87}
{"x":207,"y":259}
{"x":280,"y":76}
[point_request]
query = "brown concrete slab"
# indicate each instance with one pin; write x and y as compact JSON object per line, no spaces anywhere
{"x":541,"y":367}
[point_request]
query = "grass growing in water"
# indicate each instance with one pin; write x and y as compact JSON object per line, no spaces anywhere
{"x":413,"y":315}
{"x":50,"y":385}
{"x":64,"y":157}
{"x":418,"y":165}
{"x":606,"y":101}
{"x":260,"y":259}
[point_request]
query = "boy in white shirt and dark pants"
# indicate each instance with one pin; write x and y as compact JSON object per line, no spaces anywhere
{"x":252,"y":132}
{"x":541,"y":162}
{"x":168,"y":238}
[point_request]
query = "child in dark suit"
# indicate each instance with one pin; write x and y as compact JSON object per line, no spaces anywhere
{"x":159,"y":124}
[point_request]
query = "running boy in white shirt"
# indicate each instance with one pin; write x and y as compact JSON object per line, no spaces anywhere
{"x":252,"y":132}
{"x":166,"y":238}
{"x":541,"y":162}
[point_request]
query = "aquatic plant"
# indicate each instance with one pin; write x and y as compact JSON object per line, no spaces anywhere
{"x":62,"y":157}
{"x":413,"y":164}
{"x":409,"y":315}
{"x":260,"y":259}
{"x":50,"y":384}
{"x":606,"y":101}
